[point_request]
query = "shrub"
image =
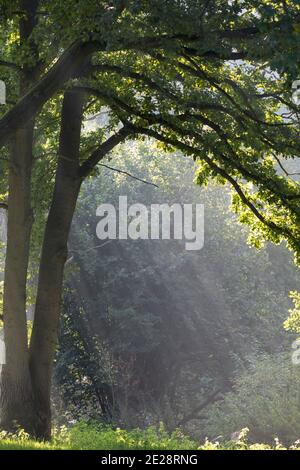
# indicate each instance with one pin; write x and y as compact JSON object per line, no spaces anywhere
{"x":265,"y":399}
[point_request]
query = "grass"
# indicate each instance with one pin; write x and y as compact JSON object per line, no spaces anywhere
{"x":85,"y":436}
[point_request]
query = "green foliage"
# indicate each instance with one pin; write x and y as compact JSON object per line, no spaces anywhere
{"x":86,"y":436}
{"x":265,"y":398}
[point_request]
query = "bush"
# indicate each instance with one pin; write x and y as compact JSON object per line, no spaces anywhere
{"x":87,"y":436}
{"x":265,"y":399}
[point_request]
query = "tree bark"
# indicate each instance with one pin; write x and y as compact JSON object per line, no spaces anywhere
{"x":53,"y":258}
{"x":29,"y":105}
{"x":16,"y":395}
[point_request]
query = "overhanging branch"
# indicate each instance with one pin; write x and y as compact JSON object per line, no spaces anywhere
{"x":219,"y":170}
{"x":89,"y":164}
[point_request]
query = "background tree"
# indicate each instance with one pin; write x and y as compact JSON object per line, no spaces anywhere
{"x":151,"y":332}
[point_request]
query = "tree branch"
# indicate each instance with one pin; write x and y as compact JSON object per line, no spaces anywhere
{"x":66,"y":67}
{"x":89,"y":164}
{"x":115,"y":103}
{"x":210,"y":399}
{"x":128,"y":174}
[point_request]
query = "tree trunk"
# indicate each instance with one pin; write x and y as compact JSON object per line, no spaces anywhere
{"x":16,"y":404}
{"x":53,"y":258}
{"x":16,"y":394}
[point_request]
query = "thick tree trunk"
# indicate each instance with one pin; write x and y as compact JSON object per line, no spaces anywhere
{"x":16,"y":404}
{"x":53,"y":258}
{"x":16,"y":394}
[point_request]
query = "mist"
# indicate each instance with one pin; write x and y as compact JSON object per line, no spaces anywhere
{"x":152,"y":332}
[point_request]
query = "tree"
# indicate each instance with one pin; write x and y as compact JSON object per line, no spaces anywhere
{"x":151,"y":332}
{"x":146,"y":61}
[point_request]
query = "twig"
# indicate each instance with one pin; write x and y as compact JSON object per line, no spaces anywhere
{"x":283,"y":169}
{"x":128,"y":174}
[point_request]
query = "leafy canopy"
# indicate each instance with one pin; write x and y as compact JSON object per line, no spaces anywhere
{"x":210,"y":78}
